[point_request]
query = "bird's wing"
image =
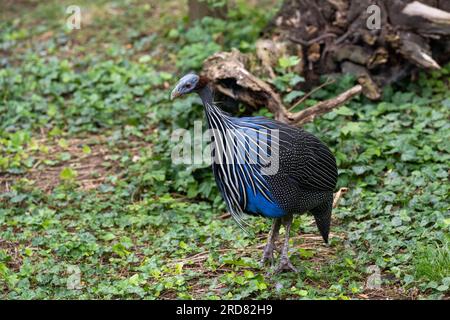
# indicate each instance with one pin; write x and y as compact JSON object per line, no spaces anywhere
{"x":316,"y":168}
{"x":305,"y":159}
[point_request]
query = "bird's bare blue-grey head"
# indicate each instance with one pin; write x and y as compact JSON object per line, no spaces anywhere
{"x":188,"y":84}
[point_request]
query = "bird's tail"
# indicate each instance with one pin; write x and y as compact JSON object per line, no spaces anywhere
{"x":322,"y":215}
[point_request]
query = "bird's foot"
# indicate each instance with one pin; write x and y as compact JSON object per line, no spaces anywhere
{"x":285,"y":265}
{"x":268,"y":254}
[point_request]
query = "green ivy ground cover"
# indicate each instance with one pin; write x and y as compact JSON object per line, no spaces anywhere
{"x":92,"y":105}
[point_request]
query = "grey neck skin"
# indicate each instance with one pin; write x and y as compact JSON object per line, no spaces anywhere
{"x":206,"y":95}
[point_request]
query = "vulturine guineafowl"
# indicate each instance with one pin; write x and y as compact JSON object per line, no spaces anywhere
{"x":265,"y":167}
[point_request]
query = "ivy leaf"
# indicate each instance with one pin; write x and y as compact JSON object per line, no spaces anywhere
{"x":288,"y":61}
{"x":344,"y":111}
{"x":63,"y":143}
{"x":67,"y":174}
{"x":291,"y":96}
{"x":351,"y":127}
{"x":86,"y":149}
{"x":396,"y":222}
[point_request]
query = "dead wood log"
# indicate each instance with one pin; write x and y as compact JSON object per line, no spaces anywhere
{"x":229,"y":75}
{"x":417,"y":8}
{"x":416,"y":49}
{"x":369,"y":87}
{"x":333,"y":32}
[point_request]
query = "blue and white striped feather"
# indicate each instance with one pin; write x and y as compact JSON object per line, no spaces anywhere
{"x":241,"y":148}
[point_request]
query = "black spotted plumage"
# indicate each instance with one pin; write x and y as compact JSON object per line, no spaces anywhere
{"x":307,"y":173}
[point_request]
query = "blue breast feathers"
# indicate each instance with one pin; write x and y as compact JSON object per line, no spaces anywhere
{"x":258,"y":204}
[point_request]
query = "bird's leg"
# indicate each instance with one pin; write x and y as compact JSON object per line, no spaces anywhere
{"x":285,"y":263}
{"x":270,"y":246}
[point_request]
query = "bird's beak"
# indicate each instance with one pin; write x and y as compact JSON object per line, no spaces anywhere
{"x":175,"y":93}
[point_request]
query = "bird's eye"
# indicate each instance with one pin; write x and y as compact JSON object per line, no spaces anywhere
{"x":187,"y":86}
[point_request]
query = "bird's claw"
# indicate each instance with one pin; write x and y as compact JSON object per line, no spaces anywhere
{"x":285,"y":265}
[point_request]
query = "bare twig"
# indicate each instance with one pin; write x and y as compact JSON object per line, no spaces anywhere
{"x":338,"y":195}
{"x":312,"y":41}
{"x":322,"y":107}
{"x":306,"y":96}
{"x":226,"y":215}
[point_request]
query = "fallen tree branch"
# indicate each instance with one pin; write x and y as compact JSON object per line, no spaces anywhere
{"x":322,"y":107}
{"x":230,"y":77}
